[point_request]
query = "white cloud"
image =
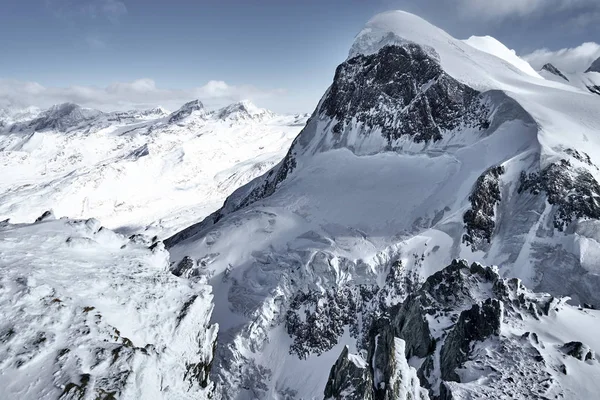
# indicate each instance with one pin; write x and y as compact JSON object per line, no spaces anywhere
{"x":141,"y":93}
{"x":576,"y":59}
{"x":493,"y":9}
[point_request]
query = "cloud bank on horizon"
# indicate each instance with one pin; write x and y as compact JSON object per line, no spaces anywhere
{"x":576,"y":59}
{"x":139,"y":94}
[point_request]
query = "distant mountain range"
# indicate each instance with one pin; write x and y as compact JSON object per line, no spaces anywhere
{"x":137,"y":168}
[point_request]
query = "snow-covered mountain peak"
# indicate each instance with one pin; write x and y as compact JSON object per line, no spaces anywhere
{"x":588,"y":81}
{"x":156,"y":112}
{"x":470,"y":65}
{"x":243,"y":110}
{"x":62,"y":117}
{"x":393,"y":27}
{"x":186,"y":110}
{"x":595,"y":67}
{"x":68,"y":110}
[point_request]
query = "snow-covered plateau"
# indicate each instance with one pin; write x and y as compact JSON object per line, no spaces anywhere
{"x":431,"y":233}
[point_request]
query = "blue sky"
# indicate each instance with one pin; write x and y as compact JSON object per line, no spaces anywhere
{"x":280,"y":53}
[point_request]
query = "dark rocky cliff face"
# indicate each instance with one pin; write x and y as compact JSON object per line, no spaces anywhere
{"x":403,"y":91}
{"x":347,"y":376}
{"x":553,"y":70}
{"x":573,"y":192}
{"x":480,"y":219}
{"x":595,"y":67}
{"x":61,"y":118}
{"x":185,"y":111}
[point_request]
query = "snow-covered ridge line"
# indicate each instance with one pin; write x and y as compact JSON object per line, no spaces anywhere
{"x":67,"y":116}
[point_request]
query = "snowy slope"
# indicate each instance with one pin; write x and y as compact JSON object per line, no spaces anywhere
{"x":88,"y":313}
{"x":138,"y":168}
{"x":491,"y":45}
{"x":424,"y":149}
{"x":588,"y":81}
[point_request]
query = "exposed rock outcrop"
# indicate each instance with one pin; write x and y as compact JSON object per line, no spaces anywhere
{"x":553,"y":70}
{"x":595,"y":67}
{"x":449,"y":325}
{"x":185,"y":111}
{"x":480,"y":220}
{"x":574,"y":192}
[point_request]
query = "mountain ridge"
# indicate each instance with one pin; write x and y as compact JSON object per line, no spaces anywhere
{"x":482,"y":171}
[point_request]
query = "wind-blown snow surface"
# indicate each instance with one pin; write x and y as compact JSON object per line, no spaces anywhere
{"x":135,"y":169}
{"x":491,"y":45}
{"x":424,"y":149}
{"x":89,"y":313}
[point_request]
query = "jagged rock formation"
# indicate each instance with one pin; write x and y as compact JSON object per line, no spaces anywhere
{"x":595,"y":67}
{"x":316,"y":320}
{"x":573,"y":191}
{"x":185,"y":111}
{"x":553,"y":70}
{"x":461,"y":325}
{"x":480,"y":219}
{"x":349,"y":378}
{"x":476,"y":324}
{"x":410,"y":90}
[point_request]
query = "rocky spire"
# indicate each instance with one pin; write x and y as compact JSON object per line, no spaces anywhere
{"x":595,"y":67}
